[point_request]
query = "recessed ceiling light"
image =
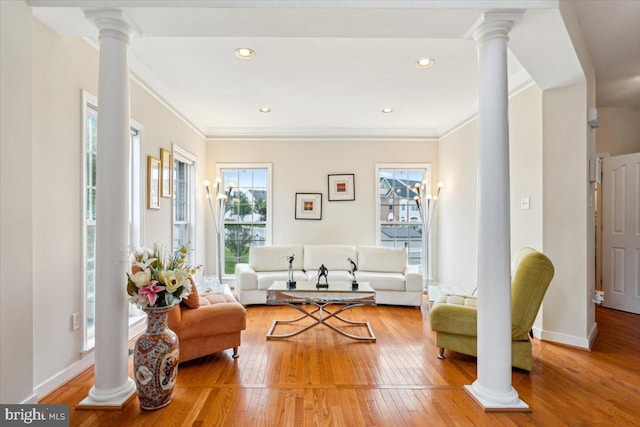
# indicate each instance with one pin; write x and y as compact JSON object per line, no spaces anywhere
{"x":245,"y":53}
{"x":387,"y":110}
{"x":265,"y":110}
{"x":424,"y":62}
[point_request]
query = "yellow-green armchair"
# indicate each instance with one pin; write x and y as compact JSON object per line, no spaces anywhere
{"x":454,"y":317}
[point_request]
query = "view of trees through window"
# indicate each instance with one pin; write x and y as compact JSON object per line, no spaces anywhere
{"x":399,"y":218}
{"x":245,"y":216}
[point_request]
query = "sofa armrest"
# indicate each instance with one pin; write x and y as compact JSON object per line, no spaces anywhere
{"x":457,"y":319}
{"x":175,"y":317}
{"x":413,"y":278}
{"x":246,"y":278}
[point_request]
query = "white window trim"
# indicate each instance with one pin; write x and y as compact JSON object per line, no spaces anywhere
{"x":405,"y":167}
{"x":396,"y":166}
{"x":269,"y":225}
{"x":185,"y":156}
{"x":137,"y":231}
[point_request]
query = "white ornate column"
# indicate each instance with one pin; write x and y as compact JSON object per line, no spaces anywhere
{"x":112,"y":387}
{"x":493,"y":389}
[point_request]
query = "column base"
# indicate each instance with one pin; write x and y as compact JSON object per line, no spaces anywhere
{"x":108,"y":400}
{"x":497,"y":403}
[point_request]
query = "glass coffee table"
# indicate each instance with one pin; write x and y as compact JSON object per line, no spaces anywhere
{"x":341,"y":294}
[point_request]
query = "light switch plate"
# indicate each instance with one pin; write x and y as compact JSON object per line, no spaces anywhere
{"x":525,"y":203}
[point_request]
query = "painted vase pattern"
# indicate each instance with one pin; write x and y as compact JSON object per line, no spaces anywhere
{"x":155,"y":360}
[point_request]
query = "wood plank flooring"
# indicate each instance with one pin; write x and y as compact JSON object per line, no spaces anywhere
{"x":321,"y":378}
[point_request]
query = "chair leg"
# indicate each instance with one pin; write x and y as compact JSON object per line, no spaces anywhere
{"x":441,"y":353}
{"x":235,"y":353}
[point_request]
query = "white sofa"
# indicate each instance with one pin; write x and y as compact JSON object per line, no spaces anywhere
{"x":385,"y":269}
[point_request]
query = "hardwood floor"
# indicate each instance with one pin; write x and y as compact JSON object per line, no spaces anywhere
{"x":321,"y":378}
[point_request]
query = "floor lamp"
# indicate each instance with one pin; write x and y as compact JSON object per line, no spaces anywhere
{"x":427,"y":208}
{"x":218,"y":217}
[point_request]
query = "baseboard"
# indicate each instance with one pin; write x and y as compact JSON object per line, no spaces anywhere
{"x":593,"y":334}
{"x":65,"y":375}
{"x":570,"y":340}
{"x":31,"y":400}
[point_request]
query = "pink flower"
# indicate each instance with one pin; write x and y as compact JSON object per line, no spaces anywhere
{"x":151,"y":291}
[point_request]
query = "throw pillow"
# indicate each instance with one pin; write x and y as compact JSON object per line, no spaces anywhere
{"x":193,"y":300}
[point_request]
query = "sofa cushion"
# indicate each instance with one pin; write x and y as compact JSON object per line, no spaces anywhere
{"x":275,"y":258}
{"x":217,"y":314}
{"x":382,"y":281}
{"x":266,"y":278}
{"x":334,"y":276}
{"x":384,"y":260}
{"x":334,"y":257}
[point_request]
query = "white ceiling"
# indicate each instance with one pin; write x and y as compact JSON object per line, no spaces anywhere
{"x":328,"y":68}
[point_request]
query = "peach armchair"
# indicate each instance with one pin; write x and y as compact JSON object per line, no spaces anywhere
{"x":207,"y":324}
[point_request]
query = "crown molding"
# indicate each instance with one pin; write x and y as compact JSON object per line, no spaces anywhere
{"x":342,"y":134}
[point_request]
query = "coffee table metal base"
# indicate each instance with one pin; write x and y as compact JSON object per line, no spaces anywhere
{"x":321,"y":319}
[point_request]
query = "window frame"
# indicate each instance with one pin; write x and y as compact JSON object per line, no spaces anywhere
{"x":136,"y":218}
{"x":425,"y":168}
{"x":220,"y":167}
{"x":184,"y":156}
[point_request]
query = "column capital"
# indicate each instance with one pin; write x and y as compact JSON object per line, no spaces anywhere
{"x":113,"y":23}
{"x":494,"y":25}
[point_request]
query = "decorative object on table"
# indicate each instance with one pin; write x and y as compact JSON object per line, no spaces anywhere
{"x":153,"y":183}
{"x":342,"y":187}
{"x":323,"y":272}
{"x":427,"y":208}
{"x":309,"y":206}
{"x":352,"y":273}
{"x":166,"y":183}
{"x":291,"y":283}
{"x":218,"y":216}
{"x":158,"y":281}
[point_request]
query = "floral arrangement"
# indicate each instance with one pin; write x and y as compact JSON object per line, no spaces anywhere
{"x":158,"y":277}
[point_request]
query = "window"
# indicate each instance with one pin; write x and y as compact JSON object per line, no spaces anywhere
{"x":247,"y":216}
{"x":399,"y":224}
{"x":183,"y":201}
{"x":90,"y":148}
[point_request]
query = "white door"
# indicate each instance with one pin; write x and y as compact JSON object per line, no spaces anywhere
{"x":621,"y":232}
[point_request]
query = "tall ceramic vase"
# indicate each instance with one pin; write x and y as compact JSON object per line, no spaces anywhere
{"x":155,"y":360}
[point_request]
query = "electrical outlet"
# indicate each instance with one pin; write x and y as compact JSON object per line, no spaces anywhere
{"x":525,"y":203}
{"x":75,"y":321}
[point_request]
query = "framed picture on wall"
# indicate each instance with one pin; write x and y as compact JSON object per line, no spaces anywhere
{"x":153,"y":183}
{"x":308,"y":205}
{"x":342,"y":187}
{"x":166,"y":160}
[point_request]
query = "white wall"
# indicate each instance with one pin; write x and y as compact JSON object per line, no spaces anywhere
{"x":161,"y":129}
{"x":565,"y":311}
{"x":525,"y":158}
{"x":458,"y":216}
{"x":619,"y":131}
{"x":458,"y":169}
{"x":16,"y":206}
{"x":569,"y":213}
{"x":303,"y":166}
{"x":63,"y":66}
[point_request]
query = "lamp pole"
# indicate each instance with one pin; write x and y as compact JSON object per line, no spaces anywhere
{"x":218,"y":218}
{"x":427,"y":209}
